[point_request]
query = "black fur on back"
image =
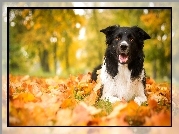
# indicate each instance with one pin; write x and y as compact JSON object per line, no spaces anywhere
{"x":94,"y":73}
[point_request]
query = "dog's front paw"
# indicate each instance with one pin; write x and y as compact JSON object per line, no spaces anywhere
{"x":112,"y":99}
{"x":140,"y":100}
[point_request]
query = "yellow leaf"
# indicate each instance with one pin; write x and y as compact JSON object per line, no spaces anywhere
{"x":91,"y":109}
{"x":26,"y":97}
{"x":117,"y":110}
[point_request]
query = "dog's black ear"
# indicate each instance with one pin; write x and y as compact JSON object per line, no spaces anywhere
{"x":141,"y":33}
{"x":109,"y":30}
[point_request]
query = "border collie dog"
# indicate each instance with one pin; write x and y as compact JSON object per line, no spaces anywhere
{"x":122,"y":74}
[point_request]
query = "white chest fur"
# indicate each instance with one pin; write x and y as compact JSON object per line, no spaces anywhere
{"x":121,"y":86}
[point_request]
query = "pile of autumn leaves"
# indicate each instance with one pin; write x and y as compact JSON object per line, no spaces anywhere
{"x":75,"y":101}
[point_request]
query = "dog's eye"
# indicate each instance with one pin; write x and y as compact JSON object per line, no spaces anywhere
{"x":131,"y":39}
{"x":117,"y":38}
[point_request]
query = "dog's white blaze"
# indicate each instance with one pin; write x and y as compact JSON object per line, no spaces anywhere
{"x":124,"y":42}
{"x":121,"y":86}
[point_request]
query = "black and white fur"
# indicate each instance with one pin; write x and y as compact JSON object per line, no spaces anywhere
{"x":122,"y":74}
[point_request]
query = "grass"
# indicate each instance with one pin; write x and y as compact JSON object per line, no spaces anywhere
{"x":106,"y":106}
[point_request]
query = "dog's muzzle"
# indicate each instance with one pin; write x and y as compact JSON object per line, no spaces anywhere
{"x":123,"y":52}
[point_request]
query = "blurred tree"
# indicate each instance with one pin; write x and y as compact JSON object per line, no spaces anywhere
{"x":17,"y":54}
{"x":158,"y":52}
{"x":95,"y":44}
{"x":40,"y":25}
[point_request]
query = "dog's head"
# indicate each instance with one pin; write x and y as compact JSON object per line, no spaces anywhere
{"x":124,"y":43}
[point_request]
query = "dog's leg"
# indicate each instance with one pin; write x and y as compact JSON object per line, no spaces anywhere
{"x":140,"y":96}
{"x":110,"y":98}
{"x":140,"y":99}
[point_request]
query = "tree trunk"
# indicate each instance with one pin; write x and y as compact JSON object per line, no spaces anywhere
{"x":55,"y":57}
{"x":66,"y":56}
{"x":44,"y":60}
{"x":67,"y":45}
{"x":154,"y":69}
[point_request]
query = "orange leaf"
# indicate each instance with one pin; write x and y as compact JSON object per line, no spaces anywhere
{"x":68,"y":103}
{"x":91,"y":99}
{"x":131,"y":107}
{"x":153,"y":104}
{"x":117,"y":110}
{"x":81,"y":116}
{"x":149,"y":81}
{"x":26,"y":97}
{"x":64,"y":117}
{"x":159,"y":119}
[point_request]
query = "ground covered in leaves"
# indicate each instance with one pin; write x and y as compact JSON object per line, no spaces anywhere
{"x":35,"y":101}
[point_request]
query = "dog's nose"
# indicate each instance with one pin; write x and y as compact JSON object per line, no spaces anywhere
{"x":123,"y":45}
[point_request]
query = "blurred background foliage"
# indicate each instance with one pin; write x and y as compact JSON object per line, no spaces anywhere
{"x":49,"y":42}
